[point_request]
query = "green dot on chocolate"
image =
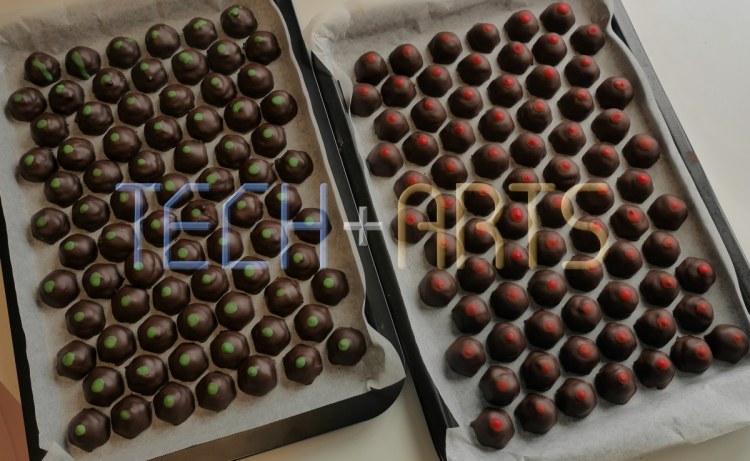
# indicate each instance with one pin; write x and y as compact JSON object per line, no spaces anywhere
{"x":312,"y":321}
{"x":199,"y":23}
{"x":49,"y":286}
{"x":17,"y":97}
{"x":212,"y":388}
{"x":158,"y":126}
{"x":229,"y":145}
{"x":344,"y":345}
{"x":95,"y":279}
{"x":155,"y":224}
{"x":251,"y":73}
{"x":123,"y":197}
{"x":182,"y":253}
{"x":125,"y":415}
{"x":198,"y":117}
{"x":130,"y":101}
{"x":144,"y":66}
{"x":41,"y":124}
{"x":110,"y":235}
{"x":236,"y":107}
{"x":96,"y":172}
{"x":267,"y":332}
{"x":110,"y":342}
{"x":171,"y":93}
{"x":84,"y":208}
{"x":140,"y":162}
{"x":87,"y":110}
{"x":279,"y":196}
{"x":254,"y":169}
{"x":259,"y":39}
{"x":212,"y":178}
{"x":309,"y":220}
{"x":59,"y":88}
{"x":168,"y":401}
{"x":328,"y":282}
{"x":249,"y":272}
{"x":154,"y":34}
{"x":268,"y":133}
{"x":80,"y":430}
{"x":114,"y":137}
{"x":169,"y":186}
{"x":222,"y":48}
{"x":166,"y":292}
{"x":193,"y":320}
{"x":138,"y":266}
{"x":125,"y":301}
{"x":153,"y":332}
{"x":68,"y":149}
{"x":39,"y":65}
{"x":230,"y":308}
{"x":106,"y":79}
{"x":79,"y":317}
{"x":117,"y":44}
{"x":68,"y":359}
{"x":185,"y":58}
{"x":241,"y":205}
{"x":293,"y":162}
{"x":69,"y":245}
{"x":195,"y":213}
{"x":28,"y":160}
{"x":215,"y":81}
{"x":252,"y":371}
{"x":266,"y":233}
{"x":207,"y":278}
{"x":142,"y":370}
{"x":277,"y":100}
{"x":300,"y":362}
{"x":223,"y":241}
{"x":184,"y":360}
{"x":227,"y":347}
{"x":41,"y":221}
{"x":97,"y":386}
{"x":298,"y":258}
{"x":55,"y":183}
{"x":186,"y":149}
{"x":280,"y":292}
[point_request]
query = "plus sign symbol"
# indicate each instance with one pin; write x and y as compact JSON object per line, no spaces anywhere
{"x":363,"y":226}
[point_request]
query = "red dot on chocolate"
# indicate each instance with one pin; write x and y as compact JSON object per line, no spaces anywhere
{"x":516,"y":215}
{"x":573,"y":131}
{"x":633,"y":215}
{"x":539,"y":106}
{"x":552,"y":244}
{"x":668,"y":242}
{"x":540,"y":408}
{"x":662,"y":363}
{"x":593,"y":30}
{"x":442,"y":242}
{"x":549,"y":73}
{"x":625,"y":294}
{"x":663,"y":322}
{"x":552,"y":285}
{"x":363,"y":90}
{"x":508,"y":81}
{"x":480,"y":230}
{"x":411,"y":219}
{"x":371,"y":58}
{"x":603,"y":189}
{"x":701,"y":309}
{"x":620,"y":84}
{"x":484,"y":191}
{"x":553,"y":39}
{"x":585,"y":350}
{"x":557,"y":202}
{"x":645,"y":143}
{"x":450,"y":166}
{"x":642,"y":178}
{"x":448,"y":202}
{"x":468,"y":94}
{"x":517,"y":48}
{"x":498,"y":115}
{"x":631,"y":253}
{"x":422,"y":141}
{"x":667,"y":281}
{"x":545,"y":367}
{"x":391,"y":118}
{"x":549,"y":327}
{"x":446,"y":37}
{"x":407,"y":50}
{"x":459,"y":129}
{"x":586,"y":61}
{"x":607,"y":151}
{"x":524,"y":18}
{"x":487,"y":28}
{"x":501,"y":385}
{"x":471,"y":309}
{"x":563,"y":8}
{"x":737,"y":338}
{"x":587,"y":308}
{"x":477,"y":267}
{"x":622,"y":336}
{"x":516,"y":255}
{"x":526,"y":178}
{"x":513,"y":294}
{"x":385,"y":152}
{"x":533,"y":143}
{"x":468,"y":352}
{"x":701,"y":352}
{"x":616,"y":117}
{"x":704,"y":269}
{"x":412,"y":179}
{"x":496,"y":424}
{"x":565,"y":166}
{"x":510,"y":337}
{"x":622,"y":378}
{"x":582,"y":95}
{"x":493,"y":152}
{"x":438,"y":284}
{"x":581,"y":395}
{"x":399,"y":81}
{"x":437,"y":72}
{"x":476,"y":59}
{"x":674,"y":205}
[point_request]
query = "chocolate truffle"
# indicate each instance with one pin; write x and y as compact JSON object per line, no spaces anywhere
{"x":157,"y":334}
{"x":437,"y":288}
{"x":579,"y":355}
{"x":231,"y":151}
{"x":496,"y":124}
{"x":174,"y":403}
{"x":623,"y":260}
{"x":728,"y":343}
{"x":101,"y":281}
{"x":505,"y":91}
{"x":576,"y":104}
{"x":148,"y":75}
{"x":48,"y":129}
{"x":109,"y":85}
{"x":407,"y":180}
{"x":405,"y":60}
{"x":312,"y":225}
{"x":146,"y":167}
{"x":612,"y":125}
{"x":283,"y":296}
{"x":75,"y":154}
{"x":483,"y":37}
{"x":552,"y":210}
{"x":550,"y":247}
{"x":522,"y":26}
{"x":49,"y":225}
{"x":246,"y":211}
{"x":199,"y":33}
{"x":218,"y":89}
{"x":525,"y":182}
{"x":635,"y":185}
{"x":499,"y":386}
{"x":204,"y":123}
{"x":313,"y":323}
{"x":587,"y":39}
{"x":186,"y":256}
{"x":576,"y":398}
{"x":82,"y":62}
{"x":420,"y":148}
{"x":629,"y":222}
{"x":294,"y":166}
{"x":668,"y":212}
{"x":558,"y":17}
{"x":266,"y":238}
{"x":448,"y":209}
{"x":440,"y":250}
{"x":135,"y":108}
{"x":215,"y":391}
{"x":256,"y":170}
{"x":465,"y":102}
{"x":405,"y":227}
{"x":37,"y":164}
{"x":66,"y":97}
{"x":616,"y":341}
{"x":225,"y":57}
{"x":162,"y":133}
{"x":77,"y":251}
{"x":434,"y":80}
{"x":614,"y":92}
{"x":123,"y":204}
{"x":187,"y":362}
{"x":515,"y":58}
{"x":448,"y":171}
{"x":659,"y":288}
{"x":695,"y":274}
{"x":209,"y":283}
{"x":543,"y":81}
{"x":397,"y":91}
{"x":262,"y":47}
{"x":162,"y":41}
{"x":365,"y":100}
{"x":540,"y":370}
{"x":661,"y":249}
{"x":102,"y":176}
{"x":131,"y":416}
{"x":513,"y":222}
{"x":346,"y":346}
{"x":642,"y":151}
{"x":543,"y":329}
{"x":88,"y":430}
{"x":102,"y":386}
{"x":256,"y":375}
{"x":654,"y":369}
{"x":224,"y":246}
{"x":171,"y":295}
{"x":465,"y":356}
{"x":444,"y":47}
{"x":300,"y":261}
{"x":547,"y":287}
{"x":536,"y":414}
{"x":189,"y":66}
{"x":238,"y":21}
{"x":171,"y":185}
{"x":25,"y":104}
{"x":303,"y":364}
{"x":490,"y":161}
{"x":196,"y":322}
{"x":41,"y":69}
{"x":618,"y":300}
{"x":615,"y":383}
{"x":75,"y":360}
{"x":534,"y":115}
{"x":562,"y":172}
{"x":85,"y":319}
{"x":390,"y":125}
{"x":655,"y":327}
{"x":476,"y":275}
{"x":269,"y":140}
{"x":129,"y":304}
{"x":694,"y":314}
{"x":474,"y":69}
{"x":582,"y":71}
{"x":145,"y":374}
{"x":242,"y":114}
{"x":255,"y":80}
{"x":220,"y":184}
{"x":493,"y":428}
{"x":176,"y":100}
{"x":595,"y":197}
{"x":691,"y":354}
{"x":470,"y":314}
{"x":228,"y":349}
{"x":270,"y":335}
{"x":281,"y":199}
{"x":121,"y":143}
{"x":115,"y":344}
{"x":123,"y":52}
{"x":549,"y":49}
{"x":515,"y":262}
{"x":146,"y":271}
{"x":581,"y":314}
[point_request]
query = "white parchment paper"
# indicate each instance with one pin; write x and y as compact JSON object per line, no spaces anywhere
{"x":57,"y":399}
{"x":693,"y":408}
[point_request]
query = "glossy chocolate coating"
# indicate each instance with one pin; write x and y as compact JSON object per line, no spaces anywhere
{"x":365,"y":100}
{"x":420,"y":148}
{"x":612,"y":126}
{"x":116,"y":241}
{"x":218,"y":89}
{"x":390,"y":125}
{"x":190,"y":156}
{"x":536,"y":414}
{"x":82,"y":62}
{"x":561,"y":171}
{"x":656,"y":327}
{"x":534,"y":115}
{"x":437,"y":288}
{"x":543,"y":329}
{"x":405,"y":181}
{"x":256,"y":375}
{"x":397,"y":91}
{"x":550,"y":210}
{"x":187,"y":362}
{"x":543,"y":81}
{"x":550,"y":49}
{"x":25,"y":104}
{"x":162,"y":133}
{"x":162,"y":41}
{"x":242,"y":114}
{"x":490,"y":161}
{"x":567,"y":138}
{"x":88,"y":430}
{"x":547,"y":287}
{"x":157,"y":334}
{"x":576,"y":104}
{"x":445,"y":47}
{"x":661,"y":249}
{"x":642,"y":151}
{"x":268,"y":140}
{"x":448,"y":171}
{"x":505,"y":342}
{"x":558,"y":17}
{"x":346,"y":346}
{"x":37,"y":164}
{"x":635,"y":185}
{"x":199,"y":33}
{"x":440,"y":250}
{"x":77,"y":251}
{"x":270,"y":335}
{"x":499,"y":386}
{"x":579,"y":355}
{"x":614,"y":92}
{"x":215,"y":391}
{"x":668,"y":212}
{"x":316,"y":225}
{"x":483,"y":37}
{"x":255,"y":80}
{"x":582,"y":71}
{"x":522,"y":26}
{"x":66,"y":97}
{"x":228,"y":349}
{"x":623,"y":259}
{"x":220,"y":183}
{"x":85,"y":319}
{"x":246,"y":211}
{"x":691,"y":354}
{"x":189,"y":66}
{"x":629,"y":222}
{"x":186,"y":251}
{"x":135,"y":108}
{"x":123,"y":52}
{"x":131,"y":416}
{"x":694,"y":314}
{"x":615,"y":383}
{"x":146,"y":271}
{"x":581,"y":314}
{"x":448,"y":208}
{"x":465,"y":356}
{"x":109,"y":85}
{"x":129,"y":304}
{"x":283,"y":296}
{"x":303,"y":364}
{"x":238,"y":21}
{"x":576,"y":398}
{"x":174,"y":403}
{"x":654,"y":369}
{"x":616,"y":341}
{"x":146,"y":166}
{"x":313,"y":322}
{"x":515,"y":58}
{"x":294,"y":166}
{"x":235,"y":310}
{"x":48,"y":129}
{"x":41,"y":69}
{"x":102,"y":386}
{"x":540,"y":370}
{"x":515,"y":262}
{"x":435,"y":80}
{"x":728,"y":343}
{"x":505,"y":91}
{"x":170,"y":295}
{"x":176,"y":100}
{"x":49,"y":225}
{"x":256,"y":170}
{"x":101,"y":281}
{"x":62,"y":189}
{"x":262,"y":47}
{"x":75,"y":154}
{"x":476,"y":275}
{"x":282,"y":198}
{"x":474,"y":69}
{"x":509,"y":301}
{"x":493,"y":428}
{"x":266,"y":238}
{"x":587,"y":277}
{"x":115,"y":344}
{"x":209,"y":283}
{"x":470,"y":314}
{"x":496,"y":124}
{"x":550,"y":247}
{"x":618,"y":300}
{"x":695,"y":274}
{"x":75,"y":360}
{"x":588,"y":39}
{"x":526,"y":182}
{"x":145,"y":374}
{"x":90,"y":213}
{"x":148,"y":75}
{"x":659,"y":288}
{"x":196,"y":322}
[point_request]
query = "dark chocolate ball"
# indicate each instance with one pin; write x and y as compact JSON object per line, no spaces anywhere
{"x":238,"y":21}
{"x":148,"y":75}
{"x":37,"y":164}
{"x":618,"y":300}
{"x":437,"y":288}
{"x":397,"y":91}
{"x":48,"y":129}
{"x":131,"y":416}
{"x":123,"y":52}
{"x":522,"y":26}
{"x":157,"y":334}
{"x":162,"y":133}
{"x":365,"y":100}
{"x":659,"y":288}
{"x":215,"y":391}
{"x":187,"y":362}
{"x":110,"y":85}
{"x":145,"y":374}
{"x":242,"y":114}
{"x":209,"y":283}
{"x":196,"y":322}
{"x":346,"y":346}
{"x":255,"y":80}
{"x":582,"y":71}
{"x":691,"y":354}
{"x":115,"y":344}
{"x":576,"y":104}
{"x":262,"y":47}
{"x":558,"y":17}
{"x":66,"y":97}
{"x":102,"y":386}
{"x":588,"y":39}
{"x":543,"y":81}
{"x":41,"y":69}
{"x":505,"y":91}
{"x":661,"y":249}
{"x":695,"y":274}
{"x":445,"y":47}
{"x":176,"y":100}
{"x":313,"y":322}
{"x":135,"y":108}
{"x":465,"y":356}
{"x":536,"y":414}
{"x":654,"y":369}
{"x":614,"y":92}
{"x":25,"y":104}
{"x":493,"y":428}
{"x":88,"y":430}
{"x":174,"y":403}
{"x":547,"y":287}
{"x":303,"y":364}
{"x":49,"y":225}
{"x":596,"y":197}
{"x":435,"y":80}
{"x":694,"y":314}
{"x":85,"y":319}
{"x":162,"y":41}
{"x":540,"y":371}
{"x":189,"y":66}
{"x":515,"y":58}
{"x":228,"y":349}
{"x":283,"y":296}
{"x":576,"y":398}
{"x":543,"y":329}
{"x":101,"y":281}
{"x":655,"y":327}
{"x":642,"y":151}
{"x":496,"y":124}
{"x":534,"y":115}
{"x":615,"y":383}
{"x":75,"y":360}
{"x":616,"y":341}
{"x":269,"y":140}
{"x":390,"y":125}
{"x":550,"y":49}
{"x":82,"y":62}
{"x":623,"y":260}
{"x":579,"y":355}
{"x":490,"y":161}
{"x":509,"y":301}
{"x":256,"y":375}
{"x":499,"y":386}
{"x":581,"y":314}
{"x":474,"y":69}
{"x":130,"y":304}
{"x":77,"y":251}
{"x":728,"y":343}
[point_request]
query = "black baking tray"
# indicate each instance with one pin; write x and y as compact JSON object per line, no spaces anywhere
{"x":437,"y":415}
{"x":279,"y":433}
